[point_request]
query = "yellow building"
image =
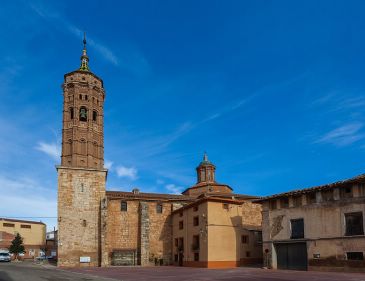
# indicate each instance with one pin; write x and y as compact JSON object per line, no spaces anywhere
{"x":219,"y":228}
{"x":32,"y":232}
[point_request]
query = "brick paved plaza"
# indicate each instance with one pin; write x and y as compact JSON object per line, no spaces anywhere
{"x":200,"y":274}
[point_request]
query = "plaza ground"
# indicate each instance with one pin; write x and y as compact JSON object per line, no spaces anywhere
{"x":28,"y":271}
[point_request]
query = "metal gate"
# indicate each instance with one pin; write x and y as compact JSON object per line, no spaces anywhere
{"x":292,"y":256}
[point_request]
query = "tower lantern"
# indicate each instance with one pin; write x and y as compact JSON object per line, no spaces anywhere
{"x":206,"y":170}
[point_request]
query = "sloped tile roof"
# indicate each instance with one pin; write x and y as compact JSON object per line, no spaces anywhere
{"x":150,"y":196}
{"x":342,"y":183}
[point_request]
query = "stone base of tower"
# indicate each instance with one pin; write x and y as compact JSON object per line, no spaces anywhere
{"x":80,"y":192}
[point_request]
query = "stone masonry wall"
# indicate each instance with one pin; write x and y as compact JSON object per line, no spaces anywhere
{"x":122,"y":227}
{"x":79,"y":195}
{"x":251,"y":214}
{"x":160,"y":233}
{"x":144,"y":233}
{"x":124,"y":230}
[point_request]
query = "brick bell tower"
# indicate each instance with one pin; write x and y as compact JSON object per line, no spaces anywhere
{"x":81,"y":175}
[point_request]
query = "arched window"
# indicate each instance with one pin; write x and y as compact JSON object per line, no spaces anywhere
{"x":80,"y":97}
{"x":202,"y":175}
{"x":208,"y":175}
{"x":83,"y":114}
{"x":71,"y":113}
{"x":95,"y":115}
{"x":83,"y":146}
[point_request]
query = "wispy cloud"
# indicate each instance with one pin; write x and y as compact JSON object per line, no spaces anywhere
{"x":24,"y":197}
{"x":344,"y":135}
{"x":100,"y":48}
{"x":340,"y":101}
{"x":51,"y":149}
{"x":129,"y":57}
{"x":108,"y":164}
{"x":127,"y":172}
{"x":172,"y":188}
{"x":57,"y":19}
{"x":159,"y":182}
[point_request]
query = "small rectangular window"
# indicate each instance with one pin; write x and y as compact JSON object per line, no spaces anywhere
{"x":5,"y":224}
{"x":354,"y":224}
{"x":346,"y":192}
{"x":327,"y":195}
{"x":311,"y":198}
{"x":196,"y":243}
{"x":181,"y":244}
{"x":180,"y":214}
{"x":258,"y":237}
{"x":176,"y":242}
{"x":297,"y":229}
{"x":159,"y":208}
{"x":244,"y":239}
{"x":95,"y":115}
{"x":225,"y":206}
{"x":196,"y":256}
{"x":248,"y":254}
{"x":25,"y":226}
{"x":176,"y":258}
{"x":71,"y":113}
{"x":195,"y":208}
{"x":357,"y":256}
{"x":273,"y":205}
{"x":284,"y":202}
{"x":297,"y":200}
{"x":123,"y":206}
{"x":181,"y":225}
{"x":196,"y":221}
{"x":362,"y":189}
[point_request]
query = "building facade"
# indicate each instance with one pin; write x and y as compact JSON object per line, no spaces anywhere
{"x":102,"y":228}
{"x":319,"y":228}
{"x":217,"y":232}
{"x":32,"y":232}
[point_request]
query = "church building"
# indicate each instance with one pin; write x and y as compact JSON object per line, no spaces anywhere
{"x":206,"y":226}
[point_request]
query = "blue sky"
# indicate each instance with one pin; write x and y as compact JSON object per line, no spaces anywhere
{"x":272,"y":90}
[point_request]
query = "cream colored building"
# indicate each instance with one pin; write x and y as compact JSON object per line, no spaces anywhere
{"x":318,"y":228}
{"x":217,"y":231}
{"x":32,"y":232}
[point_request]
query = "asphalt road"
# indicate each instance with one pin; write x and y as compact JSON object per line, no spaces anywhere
{"x":27,"y":271}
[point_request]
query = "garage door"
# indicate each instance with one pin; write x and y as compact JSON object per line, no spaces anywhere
{"x":292,"y":256}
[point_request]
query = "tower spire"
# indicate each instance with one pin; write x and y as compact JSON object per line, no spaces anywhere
{"x":205,"y":157}
{"x":84,"y":58}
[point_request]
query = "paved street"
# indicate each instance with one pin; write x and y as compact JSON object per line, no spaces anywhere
{"x":29,"y":272}
{"x":199,"y":274}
